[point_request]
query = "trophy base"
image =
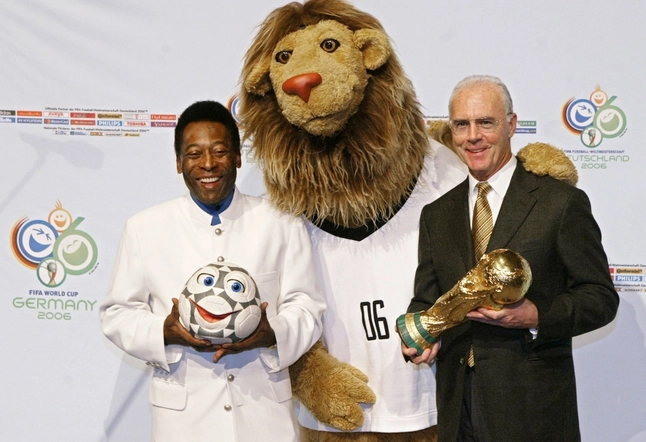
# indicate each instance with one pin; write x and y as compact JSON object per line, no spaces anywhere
{"x":412,"y":333}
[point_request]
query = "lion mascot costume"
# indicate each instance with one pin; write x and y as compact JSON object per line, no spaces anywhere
{"x":337,"y":129}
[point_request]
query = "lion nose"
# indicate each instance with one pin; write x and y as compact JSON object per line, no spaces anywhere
{"x":302,"y":85}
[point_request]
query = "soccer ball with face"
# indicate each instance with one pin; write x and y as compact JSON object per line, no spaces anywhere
{"x":220,"y":302}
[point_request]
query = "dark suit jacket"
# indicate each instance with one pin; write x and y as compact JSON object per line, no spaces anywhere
{"x":527,"y":386}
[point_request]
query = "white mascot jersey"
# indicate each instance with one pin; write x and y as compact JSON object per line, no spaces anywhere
{"x":367,"y":285}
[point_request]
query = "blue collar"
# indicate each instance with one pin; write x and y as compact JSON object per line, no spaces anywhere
{"x":215,"y":209}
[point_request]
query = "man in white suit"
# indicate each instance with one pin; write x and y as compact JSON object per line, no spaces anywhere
{"x":202,"y":391}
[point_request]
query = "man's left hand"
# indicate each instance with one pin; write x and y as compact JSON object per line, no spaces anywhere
{"x":522,"y":314}
{"x":264,"y":336}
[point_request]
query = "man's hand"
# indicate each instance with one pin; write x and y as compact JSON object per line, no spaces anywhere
{"x":427,"y":356}
{"x":263,"y":336}
{"x":176,"y":333}
{"x":522,"y":314}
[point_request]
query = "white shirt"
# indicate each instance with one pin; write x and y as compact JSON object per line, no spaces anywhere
{"x":499,"y":183}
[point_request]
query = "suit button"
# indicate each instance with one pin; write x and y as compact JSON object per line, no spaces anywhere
{"x":230,"y":377}
{"x":461,"y":361}
{"x":227,"y":407}
{"x":220,"y":258}
{"x":218,"y":231}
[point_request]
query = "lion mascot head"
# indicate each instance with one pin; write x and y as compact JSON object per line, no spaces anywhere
{"x":333,"y":118}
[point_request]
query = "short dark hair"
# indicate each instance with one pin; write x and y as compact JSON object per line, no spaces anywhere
{"x":207,"y":110}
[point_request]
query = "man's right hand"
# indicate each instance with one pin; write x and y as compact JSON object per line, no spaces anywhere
{"x":176,"y":334}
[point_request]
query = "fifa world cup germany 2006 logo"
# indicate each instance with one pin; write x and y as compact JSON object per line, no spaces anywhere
{"x":595,"y":118}
{"x":55,"y":247}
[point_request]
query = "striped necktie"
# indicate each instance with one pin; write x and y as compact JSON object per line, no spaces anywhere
{"x":482,"y":220}
{"x":481,"y":230}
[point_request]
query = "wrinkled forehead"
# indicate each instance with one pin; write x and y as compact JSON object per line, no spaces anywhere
{"x":477,"y":101}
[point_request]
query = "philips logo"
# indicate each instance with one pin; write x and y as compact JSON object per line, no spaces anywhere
{"x":629,"y":278}
{"x":108,"y":123}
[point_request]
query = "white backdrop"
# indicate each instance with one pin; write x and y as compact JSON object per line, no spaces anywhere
{"x":65,"y":65}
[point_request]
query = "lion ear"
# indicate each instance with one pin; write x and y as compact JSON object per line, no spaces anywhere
{"x":375,"y":47}
{"x":258,"y":82}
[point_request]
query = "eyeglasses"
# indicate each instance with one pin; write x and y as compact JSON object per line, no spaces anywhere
{"x":484,"y":125}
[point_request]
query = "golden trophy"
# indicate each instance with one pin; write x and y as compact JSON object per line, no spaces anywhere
{"x":500,"y":277}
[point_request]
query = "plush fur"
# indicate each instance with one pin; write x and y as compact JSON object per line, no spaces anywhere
{"x":545,"y":159}
{"x":331,"y":389}
{"x":384,"y":142}
{"x":440,"y":131}
{"x":427,"y":435}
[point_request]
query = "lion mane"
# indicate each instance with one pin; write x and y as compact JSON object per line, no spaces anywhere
{"x":357,"y":176}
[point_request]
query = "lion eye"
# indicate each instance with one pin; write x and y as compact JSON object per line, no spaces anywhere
{"x":330,"y":45}
{"x":283,"y":57}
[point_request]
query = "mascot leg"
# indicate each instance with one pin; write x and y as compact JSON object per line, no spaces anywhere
{"x":427,"y":435}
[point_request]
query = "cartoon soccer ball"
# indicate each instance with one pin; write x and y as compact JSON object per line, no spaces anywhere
{"x":220,"y":302}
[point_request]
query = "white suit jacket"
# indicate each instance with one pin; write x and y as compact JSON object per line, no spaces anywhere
{"x":243,"y":397}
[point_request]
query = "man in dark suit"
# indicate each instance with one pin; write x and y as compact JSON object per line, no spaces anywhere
{"x":508,"y":375}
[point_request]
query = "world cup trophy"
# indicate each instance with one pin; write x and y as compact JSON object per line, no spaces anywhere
{"x":499,"y":278}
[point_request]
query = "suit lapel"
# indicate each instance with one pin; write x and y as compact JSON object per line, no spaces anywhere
{"x":516,"y":205}
{"x":460,"y":225}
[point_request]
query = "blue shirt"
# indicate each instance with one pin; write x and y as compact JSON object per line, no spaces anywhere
{"x":215,"y":209}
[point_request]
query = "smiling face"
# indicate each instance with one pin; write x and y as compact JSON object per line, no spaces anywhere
{"x":60,"y":218}
{"x":207,"y":161}
{"x":483,"y":153}
{"x":220,"y":302}
{"x":599,"y":97}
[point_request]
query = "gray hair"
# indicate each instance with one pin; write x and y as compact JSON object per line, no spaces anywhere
{"x":473,"y":80}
